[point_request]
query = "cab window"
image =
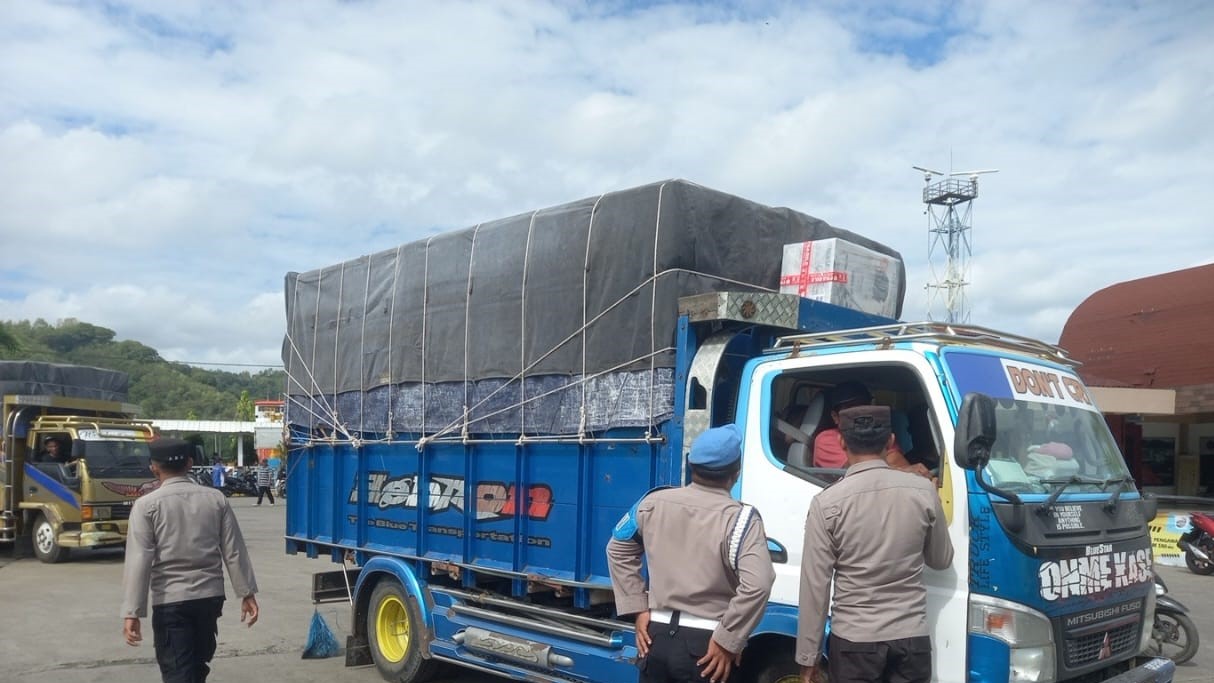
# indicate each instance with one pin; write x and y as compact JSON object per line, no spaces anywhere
{"x":803,"y":437}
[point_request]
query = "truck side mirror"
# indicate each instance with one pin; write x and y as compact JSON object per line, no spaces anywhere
{"x":70,"y":473}
{"x":779,"y":554}
{"x":77,"y":449}
{"x":975,"y":435}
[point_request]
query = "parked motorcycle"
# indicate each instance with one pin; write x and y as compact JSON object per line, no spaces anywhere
{"x":1173,"y":635}
{"x":240,"y":483}
{"x":1198,"y":544}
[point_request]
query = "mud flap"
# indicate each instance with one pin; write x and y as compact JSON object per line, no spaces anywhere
{"x":358,"y":651}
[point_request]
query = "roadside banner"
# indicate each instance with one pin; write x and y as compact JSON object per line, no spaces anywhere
{"x":1166,"y":530}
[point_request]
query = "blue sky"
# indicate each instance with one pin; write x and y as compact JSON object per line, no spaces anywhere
{"x":179,"y":158}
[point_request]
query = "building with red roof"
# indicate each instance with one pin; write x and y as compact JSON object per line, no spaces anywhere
{"x":1147,"y":348}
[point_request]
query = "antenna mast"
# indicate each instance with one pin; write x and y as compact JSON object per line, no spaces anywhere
{"x":950,"y":203}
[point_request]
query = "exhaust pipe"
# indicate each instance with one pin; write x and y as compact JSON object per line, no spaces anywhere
{"x":1197,"y":552}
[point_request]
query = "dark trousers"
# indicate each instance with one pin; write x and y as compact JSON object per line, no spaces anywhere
{"x":185,"y":633}
{"x":264,"y":491}
{"x":673,"y":655}
{"x":905,"y":660}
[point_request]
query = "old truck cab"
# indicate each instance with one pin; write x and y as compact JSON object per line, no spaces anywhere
{"x":78,"y":492}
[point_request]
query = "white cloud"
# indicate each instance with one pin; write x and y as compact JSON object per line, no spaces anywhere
{"x":182,"y":157}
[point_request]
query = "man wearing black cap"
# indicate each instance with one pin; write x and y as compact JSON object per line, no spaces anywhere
{"x":828,"y":446}
{"x":710,"y":571}
{"x":179,"y":538}
{"x":872,"y":532}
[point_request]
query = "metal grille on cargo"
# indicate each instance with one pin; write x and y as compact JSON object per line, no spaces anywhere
{"x":1095,"y":647}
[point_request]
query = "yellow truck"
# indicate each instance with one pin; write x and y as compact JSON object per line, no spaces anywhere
{"x":74,"y":458}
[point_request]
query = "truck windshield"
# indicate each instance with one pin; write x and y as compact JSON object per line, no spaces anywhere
{"x":117,"y":459}
{"x":1042,"y":446}
{"x":1050,"y":434}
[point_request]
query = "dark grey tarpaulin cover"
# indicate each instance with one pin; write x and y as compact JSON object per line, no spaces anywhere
{"x":52,"y":379}
{"x":496,"y":315}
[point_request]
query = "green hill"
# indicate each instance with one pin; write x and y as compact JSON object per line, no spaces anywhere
{"x":163,"y":389}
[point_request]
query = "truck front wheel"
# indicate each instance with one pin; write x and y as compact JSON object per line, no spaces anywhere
{"x":782,"y":667}
{"x":396,"y":634}
{"x":46,"y":544}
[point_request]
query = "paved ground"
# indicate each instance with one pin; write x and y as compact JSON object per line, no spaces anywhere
{"x":60,"y":624}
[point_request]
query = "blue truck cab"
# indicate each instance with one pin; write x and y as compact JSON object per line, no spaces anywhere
{"x":470,"y":512}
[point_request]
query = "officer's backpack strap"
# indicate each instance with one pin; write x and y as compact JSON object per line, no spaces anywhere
{"x":626,"y":529}
{"x":740,"y":526}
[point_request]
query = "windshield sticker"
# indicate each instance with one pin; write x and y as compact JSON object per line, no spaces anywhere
{"x":1094,"y":573}
{"x":99,"y":435}
{"x":1040,"y":384}
{"x":1068,"y":518}
{"x":1003,"y":378}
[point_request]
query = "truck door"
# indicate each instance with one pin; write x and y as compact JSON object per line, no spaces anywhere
{"x":786,"y":406}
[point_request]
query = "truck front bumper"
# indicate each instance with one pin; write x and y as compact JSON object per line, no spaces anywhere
{"x":95,"y":535}
{"x":1158,"y":670}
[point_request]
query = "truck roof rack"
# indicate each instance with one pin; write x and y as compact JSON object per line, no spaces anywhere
{"x":66,"y":422}
{"x":949,"y":333}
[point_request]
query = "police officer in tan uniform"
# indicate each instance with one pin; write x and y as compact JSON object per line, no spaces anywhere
{"x":179,"y":539}
{"x":872,"y":532}
{"x":710,"y":571}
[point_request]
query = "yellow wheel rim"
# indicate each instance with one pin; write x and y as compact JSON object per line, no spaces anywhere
{"x":392,"y":628}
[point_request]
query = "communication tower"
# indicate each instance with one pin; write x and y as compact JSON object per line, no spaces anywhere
{"x":950,"y":204}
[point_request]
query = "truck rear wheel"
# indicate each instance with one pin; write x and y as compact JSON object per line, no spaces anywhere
{"x":396,"y":634}
{"x":46,"y":544}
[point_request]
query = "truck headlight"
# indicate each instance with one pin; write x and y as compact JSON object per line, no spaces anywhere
{"x":1027,"y":632}
{"x":89,"y":513}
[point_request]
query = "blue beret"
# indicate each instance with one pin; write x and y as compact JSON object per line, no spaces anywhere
{"x":717,"y":448}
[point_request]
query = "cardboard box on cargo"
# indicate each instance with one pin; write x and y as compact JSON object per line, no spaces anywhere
{"x":839,"y":272}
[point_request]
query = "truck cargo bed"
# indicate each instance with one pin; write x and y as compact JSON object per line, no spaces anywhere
{"x":560,"y":499}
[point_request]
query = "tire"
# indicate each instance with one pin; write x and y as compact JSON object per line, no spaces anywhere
{"x":46,"y":545}
{"x":1197,"y":566}
{"x":1174,"y":635}
{"x":396,"y":635}
{"x":782,"y":667}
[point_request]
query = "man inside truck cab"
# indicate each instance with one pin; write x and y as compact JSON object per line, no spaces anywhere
{"x":54,"y":451}
{"x":828,"y":444}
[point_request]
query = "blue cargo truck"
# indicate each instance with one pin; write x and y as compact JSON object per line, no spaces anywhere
{"x":471,"y":414}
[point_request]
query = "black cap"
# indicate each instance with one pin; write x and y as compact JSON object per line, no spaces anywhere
{"x":171,"y":451}
{"x":849,"y":393}
{"x":864,"y":420}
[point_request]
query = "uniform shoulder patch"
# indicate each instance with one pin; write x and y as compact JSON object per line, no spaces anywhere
{"x":627,"y":529}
